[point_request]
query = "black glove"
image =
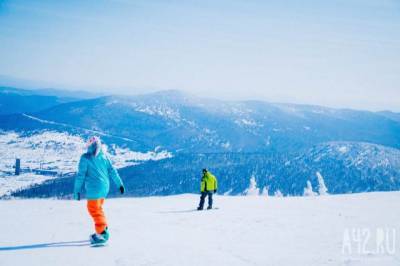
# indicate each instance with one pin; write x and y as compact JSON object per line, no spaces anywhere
{"x":215,"y":191}
{"x":122,"y":189}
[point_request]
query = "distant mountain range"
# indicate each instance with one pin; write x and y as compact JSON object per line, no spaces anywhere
{"x":14,"y":100}
{"x":183,"y":123}
{"x":282,"y":145}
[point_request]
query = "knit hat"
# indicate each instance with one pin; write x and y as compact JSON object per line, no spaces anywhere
{"x":94,"y":145}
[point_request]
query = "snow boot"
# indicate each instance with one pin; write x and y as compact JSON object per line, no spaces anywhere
{"x":97,"y":239}
{"x":209,"y":207}
{"x":199,"y":208}
{"x":105,"y":234}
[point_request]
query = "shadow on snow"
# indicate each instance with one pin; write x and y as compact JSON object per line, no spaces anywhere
{"x":180,"y":211}
{"x":48,"y":245}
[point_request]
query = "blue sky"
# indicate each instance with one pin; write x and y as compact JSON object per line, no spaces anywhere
{"x":340,"y":53}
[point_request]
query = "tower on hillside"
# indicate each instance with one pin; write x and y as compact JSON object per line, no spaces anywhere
{"x":17,"y":166}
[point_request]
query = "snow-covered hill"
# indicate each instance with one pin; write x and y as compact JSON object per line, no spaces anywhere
{"x":297,"y":231}
{"x":54,"y":151}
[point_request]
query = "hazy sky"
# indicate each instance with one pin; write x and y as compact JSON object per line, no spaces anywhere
{"x":341,"y":53}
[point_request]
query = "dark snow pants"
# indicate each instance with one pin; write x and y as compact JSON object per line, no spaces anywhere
{"x":203,"y":198}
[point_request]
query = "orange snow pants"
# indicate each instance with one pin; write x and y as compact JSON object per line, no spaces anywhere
{"x":95,"y":208}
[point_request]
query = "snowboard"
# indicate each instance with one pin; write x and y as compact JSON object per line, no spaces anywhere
{"x":215,"y":208}
{"x":98,"y":245}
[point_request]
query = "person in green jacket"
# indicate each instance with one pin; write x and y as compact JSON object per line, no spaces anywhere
{"x":94,"y":172}
{"x":208,"y":187}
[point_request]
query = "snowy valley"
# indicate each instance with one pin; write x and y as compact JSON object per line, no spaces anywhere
{"x":48,"y":155}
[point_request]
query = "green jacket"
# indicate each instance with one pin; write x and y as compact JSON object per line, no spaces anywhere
{"x":95,"y":172}
{"x":208,"y":182}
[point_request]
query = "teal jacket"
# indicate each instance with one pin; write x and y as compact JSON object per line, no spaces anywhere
{"x":95,"y":172}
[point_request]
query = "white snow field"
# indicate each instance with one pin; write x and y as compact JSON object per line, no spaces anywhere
{"x":293,"y":231}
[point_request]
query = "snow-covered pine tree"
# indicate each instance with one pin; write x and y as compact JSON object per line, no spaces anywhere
{"x":252,"y":190}
{"x":264,"y":192}
{"x":308,"y":191}
{"x":323,"y":190}
{"x":278,"y":193}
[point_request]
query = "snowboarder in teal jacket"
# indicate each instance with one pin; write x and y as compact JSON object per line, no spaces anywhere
{"x":94,"y":172}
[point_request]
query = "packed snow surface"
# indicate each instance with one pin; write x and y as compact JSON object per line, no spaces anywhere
{"x":167,"y":231}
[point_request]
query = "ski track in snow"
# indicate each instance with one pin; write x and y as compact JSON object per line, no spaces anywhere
{"x":292,"y":231}
{"x":100,"y":133}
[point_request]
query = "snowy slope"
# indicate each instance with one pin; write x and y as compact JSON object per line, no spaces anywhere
{"x":165,"y":231}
